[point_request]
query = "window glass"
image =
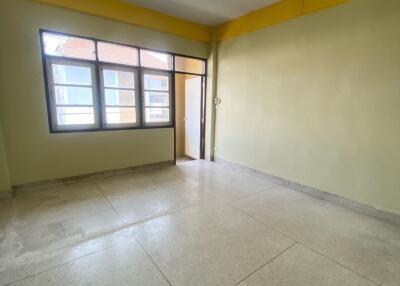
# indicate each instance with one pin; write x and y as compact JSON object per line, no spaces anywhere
{"x":189,"y":65}
{"x":155,"y":60}
{"x":119,"y":96}
{"x":117,"y":54}
{"x":157,"y":115}
{"x":118,"y":79}
{"x":120,"y":115}
{"x":156,"y":82}
{"x":69,"y":74}
{"x":67,"y":46}
{"x":92,"y":79}
{"x":157,"y":98}
{"x":72,"y":95}
{"x":75,"y":115}
{"x":72,"y":91}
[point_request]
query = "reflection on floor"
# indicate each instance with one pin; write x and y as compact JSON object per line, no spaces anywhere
{"x":197,"y":223}
{"x":183,"y":159}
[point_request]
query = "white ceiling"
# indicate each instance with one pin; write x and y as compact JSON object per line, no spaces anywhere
{"x":208,"y":12}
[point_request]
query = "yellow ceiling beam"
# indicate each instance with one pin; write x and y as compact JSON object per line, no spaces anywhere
{"x":273,"y":14}
{"x":310,"y":6}
{"x":132,"y":14}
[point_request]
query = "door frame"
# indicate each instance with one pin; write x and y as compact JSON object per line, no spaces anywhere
{"x":203,"y":99}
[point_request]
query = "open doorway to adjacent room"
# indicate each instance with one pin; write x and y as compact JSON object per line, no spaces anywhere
{"x":189,"y":109}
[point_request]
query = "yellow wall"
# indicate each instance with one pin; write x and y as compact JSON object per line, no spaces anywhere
{"x":180,"y":114}
{"x":33,"y":153}
{"x":316,"y":100}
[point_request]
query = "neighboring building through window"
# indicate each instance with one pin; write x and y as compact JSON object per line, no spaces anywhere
{"x":120,"y":99}
{"x":73,"y":98}
{"x":157,"y":95}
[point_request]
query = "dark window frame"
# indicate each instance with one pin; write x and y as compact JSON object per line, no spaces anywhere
{"x":99,"y":113}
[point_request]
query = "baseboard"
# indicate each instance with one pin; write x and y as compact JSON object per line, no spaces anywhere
{"x":338,"y":200}
{"x":6,"y":194}
{"x":87,"y":177}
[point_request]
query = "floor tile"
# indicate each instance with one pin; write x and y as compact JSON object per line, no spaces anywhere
{"x":125,"y":184}
{"x":228,"y":185}
{"x":123,"y":264}
{"x":212,"y":244}
{"x":300,"y":266}
{"x":164,"y":199}
{"x":202,"y":223}
{"x":364,"y":244}
{"x":241,"y":187}
{"x":47,"y":220}
{"x":113,"y":190}
{"x":162,"y":177}
{"x":16,"y":267}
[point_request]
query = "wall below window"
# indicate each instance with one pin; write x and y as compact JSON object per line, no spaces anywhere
{"x":33,"y":153}
{"x":316,"y":100}
{"x":4,"y":175}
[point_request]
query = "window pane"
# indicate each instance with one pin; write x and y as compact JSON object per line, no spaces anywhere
{"x":156,"y":114}
{"x":118,"y":54}
{"x":189,"y":65}
{"x":67,"y":46}
{"x":156,"y":82}
{"x":73,"y":95}
{"x":67,"y":74}
{"x":120,"y":115}
{"x":119,"y":97}
{"x":118,"y":79}
{"x":156,"y":98}
{"x":155,"y":60}
{"x":75,"y":115}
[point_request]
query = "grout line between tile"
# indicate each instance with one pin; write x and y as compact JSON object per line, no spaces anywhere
{"x":264,"y":190}
{"x":128,"y":225}
{"x":109,"y":203}
{"x":256,"y":193}
{"x":308,"y":247}
{"x":338,"y":263}
{"x":152,"y":261}
{"x":63,"y":264}
{"x":268,"y":226}
{"x":122,"y":227}
{"x":266,"y":263}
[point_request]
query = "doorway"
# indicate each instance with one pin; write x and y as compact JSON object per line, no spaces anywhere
{"x":189,"y":116}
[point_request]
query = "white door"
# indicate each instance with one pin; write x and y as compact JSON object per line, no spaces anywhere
{"x":192,"y":116}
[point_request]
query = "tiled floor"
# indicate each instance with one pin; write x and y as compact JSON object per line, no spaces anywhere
{"x":197,"y":223}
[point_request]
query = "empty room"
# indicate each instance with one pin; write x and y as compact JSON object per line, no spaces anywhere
{"x":188,"y":142}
